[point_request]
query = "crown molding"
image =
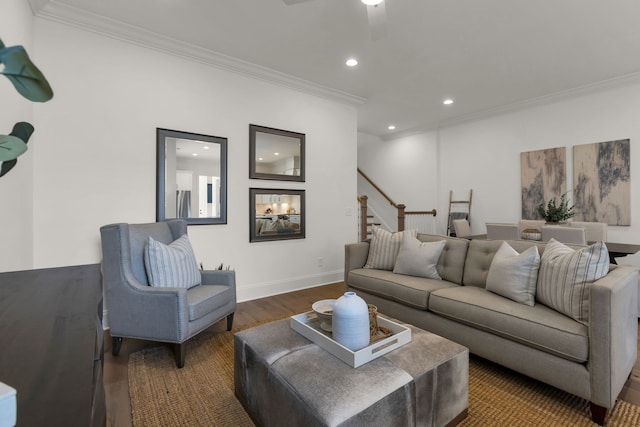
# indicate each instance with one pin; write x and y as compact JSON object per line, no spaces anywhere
{"x":627,"y":79}
{"x":55,"y":11}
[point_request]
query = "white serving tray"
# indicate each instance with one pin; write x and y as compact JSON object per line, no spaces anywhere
{"x":308,"y":325}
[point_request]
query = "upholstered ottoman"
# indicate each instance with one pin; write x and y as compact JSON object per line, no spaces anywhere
{"x":283,"y":379}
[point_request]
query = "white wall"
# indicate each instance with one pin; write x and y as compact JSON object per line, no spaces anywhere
{"x":16,"y":28}
{"x":97,"y":163}
{"x":484,"y":155}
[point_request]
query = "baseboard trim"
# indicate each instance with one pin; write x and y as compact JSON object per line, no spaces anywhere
{"x":268,"y":289}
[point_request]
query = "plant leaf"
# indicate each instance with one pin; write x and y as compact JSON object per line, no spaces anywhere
{"x":11,"y":147}
{"x":22,"y":130}
{"x":25,"y":76}
{"x":7,"y":166}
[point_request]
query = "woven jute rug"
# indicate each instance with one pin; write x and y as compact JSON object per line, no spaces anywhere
{"x":201,"y":393}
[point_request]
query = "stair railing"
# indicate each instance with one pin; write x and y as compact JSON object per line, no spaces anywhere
{"x":401,"y":208}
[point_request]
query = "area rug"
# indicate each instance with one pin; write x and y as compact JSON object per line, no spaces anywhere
{"x":201,"y":393}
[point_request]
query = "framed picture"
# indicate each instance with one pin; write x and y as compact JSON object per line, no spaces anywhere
{"x":191,"y":177}
{"x":543,"y":176}
{"x":602,"y":182}
{"x":276,"y":154}
{"x":276,"y":214}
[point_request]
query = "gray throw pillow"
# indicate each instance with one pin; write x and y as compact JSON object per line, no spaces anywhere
{"x":565,"y":275}
{"x":417,"y":258}
{"x":384,"y":247}
{"x":513,"y":275}
{"x":173,"y":265}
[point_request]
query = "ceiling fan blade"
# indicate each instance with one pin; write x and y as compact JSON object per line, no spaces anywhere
{"x":377,"y":21}
{"x":290,"y":2}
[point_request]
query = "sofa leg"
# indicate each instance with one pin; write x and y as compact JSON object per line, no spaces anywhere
{"x":229,"y":321}
{"x":598,"y":413}
{"x":180,"y":350}
{"x":116,"y":344}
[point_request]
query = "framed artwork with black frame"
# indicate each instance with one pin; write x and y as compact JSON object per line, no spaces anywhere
{"x":276,"y":154}
{"x":276,"y":214}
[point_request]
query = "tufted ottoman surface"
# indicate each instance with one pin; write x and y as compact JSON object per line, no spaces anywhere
{"x":283,"y":379}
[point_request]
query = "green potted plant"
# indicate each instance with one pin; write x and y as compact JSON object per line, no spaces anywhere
{"x":556,"y":213}
{"x":31,"y":84}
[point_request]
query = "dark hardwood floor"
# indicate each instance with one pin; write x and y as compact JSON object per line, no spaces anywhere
{"x":115,"y":368}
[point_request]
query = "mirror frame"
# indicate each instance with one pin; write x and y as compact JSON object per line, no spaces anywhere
{"x":254,"y":174}
{"x":161,"y":135}
{"x":253,"y":194}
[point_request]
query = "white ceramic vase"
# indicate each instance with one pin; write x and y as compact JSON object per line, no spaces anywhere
{"x":350,"y":322}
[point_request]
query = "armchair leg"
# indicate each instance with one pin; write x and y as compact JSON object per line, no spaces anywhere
{"x":229,"y":321}
{"x":116,"y":343}
{"x":180,"y":350}
{"x":598,"y":413}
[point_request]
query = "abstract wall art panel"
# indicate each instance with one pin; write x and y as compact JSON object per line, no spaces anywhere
{"x":543,"y":177}
{"x":601,"y":177}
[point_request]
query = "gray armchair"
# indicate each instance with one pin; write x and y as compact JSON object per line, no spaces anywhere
{"x":173,"y":315}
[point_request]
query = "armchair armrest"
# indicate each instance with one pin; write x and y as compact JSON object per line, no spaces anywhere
{"x":613,"y":333}
{"x":355,"y":256}
{"x":158,"y":313}
{"x":219,"y":277}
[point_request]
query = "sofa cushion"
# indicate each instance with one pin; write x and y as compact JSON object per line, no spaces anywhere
{"x":451,"y":263}
{"x":514,"y":275}
{"x":384,"y":247}
{"x":172,"y":265}
{"x":417,"y":258}
{"x":205,"y":299}
{"x":479,"y":257}
{"x":565,"y":275}
{"x":408,"y":290}
{"x":539,"y":326}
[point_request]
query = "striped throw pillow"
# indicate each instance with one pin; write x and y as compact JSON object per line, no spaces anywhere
{"x":565,"y":275}
{"x":173,"y":265}
{"x":384,"y":247}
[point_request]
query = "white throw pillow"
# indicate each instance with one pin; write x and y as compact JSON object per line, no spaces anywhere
{"x":417,"y":258}
{"x":173,"y":265}
{"x":384,"y":247}
{"x":565,"y":275}
{"x":514,"y":275}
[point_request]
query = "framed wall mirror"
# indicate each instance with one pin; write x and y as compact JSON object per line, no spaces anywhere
{"x":276,"y":154}
{"x":276,"y":214}
{"x":191,"y":177}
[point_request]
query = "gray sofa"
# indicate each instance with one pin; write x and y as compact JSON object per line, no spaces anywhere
{"x":591,"y":361}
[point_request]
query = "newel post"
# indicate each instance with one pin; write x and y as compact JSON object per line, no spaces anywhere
{"x":401,"y":208}
{"x":363,"y":217}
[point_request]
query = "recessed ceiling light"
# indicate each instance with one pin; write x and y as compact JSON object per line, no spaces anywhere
{"x":260,"y":158}
{"x":352,"y":62}
{"x":276,"y":154}
{"x":206,"y":147}
{"x":391,"y":127}
{"x":194,"y":154}
{"x":371,"y":2}
{"x":447,"y":101}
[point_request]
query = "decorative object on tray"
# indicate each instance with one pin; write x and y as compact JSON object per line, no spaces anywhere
{"x":324,"y":311}
{"x":376,"y":331}
{"x":554,"y":213}
{"x":350,"y":321}
{"x":531,"y":234}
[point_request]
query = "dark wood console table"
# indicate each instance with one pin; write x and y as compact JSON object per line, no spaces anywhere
{"x":51,"y":334}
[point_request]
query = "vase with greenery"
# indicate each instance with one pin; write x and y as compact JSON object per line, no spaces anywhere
{"x":31,"y":84}
{"x":554,"y":212}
